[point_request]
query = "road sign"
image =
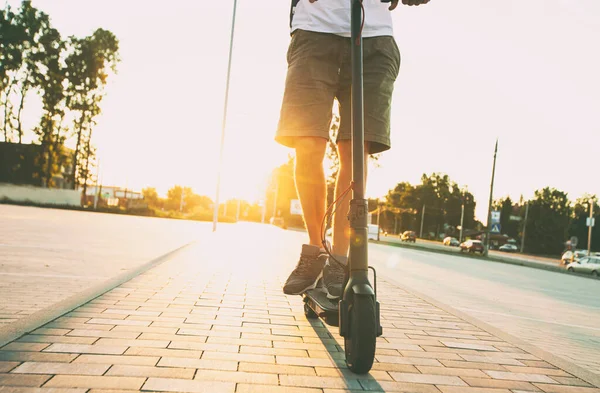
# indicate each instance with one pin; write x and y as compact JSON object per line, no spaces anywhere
{"x":515,"y":218}
{"x":495,"y":217}
{"x":295,"y":207}
{"x":496,"y":228}
{"x":590,"y":222}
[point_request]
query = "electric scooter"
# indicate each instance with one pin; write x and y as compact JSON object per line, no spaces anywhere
{"x":357,"y":313}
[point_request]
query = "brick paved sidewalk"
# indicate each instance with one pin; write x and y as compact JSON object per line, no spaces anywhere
{"x":213,"y":319}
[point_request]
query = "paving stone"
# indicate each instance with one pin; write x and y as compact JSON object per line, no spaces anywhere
{"x":61,"y":368}
{"x":318,"y":382}
{"x":36,"y":357}
{"x":458,"y":372}
{"x":17,"y":346}
{"x":81,"y":348}
{"x":565,"y":389}
{"x":103,"y":382}
{"x":150,"y":371}
{"x":276,"y":369}
{"x":248,"y":388}
{"x":7,"y":366}
{"x":183,"y":353}
{"x":191,"y":386}
{"x":112,"y":359}
{"x":14,"y":389}
{"x":23,"y":380}
{"x":386,"y":386}
{"x":30,"y":338}
{"x":519,"y":376}
{"x":431,"y":379}
{"x":201,"y":364}
{"x":237,"y":376}
{"x":462,"y":389}
{"x":498,"y":383}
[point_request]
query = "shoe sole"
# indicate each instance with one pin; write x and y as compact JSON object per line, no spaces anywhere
{"x":330,"y":296}
{"x":312,"y":286}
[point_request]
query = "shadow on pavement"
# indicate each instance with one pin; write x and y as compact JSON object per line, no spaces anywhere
{"x":337,"y":355}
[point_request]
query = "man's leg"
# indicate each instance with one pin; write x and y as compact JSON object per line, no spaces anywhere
{"x":312,"y":191}
{"x":310,"y":184}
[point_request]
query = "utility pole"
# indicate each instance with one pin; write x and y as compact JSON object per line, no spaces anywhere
{"x":422,"y":219}
{"x":524,"y":226}
{"x":181,"y":200}
{"x":489,"y":218}
{"x":378,"y":228}
{"x":590,"y":227}
{"x":462,"y":219}
{"x":216,"y":207}
{"x":96,"y":187}
{"x":276,"y":195}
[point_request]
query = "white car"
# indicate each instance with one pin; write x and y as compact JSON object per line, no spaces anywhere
{"x":508,"y":248}
{"x":589,"y":265}
{"x":570,"y":257}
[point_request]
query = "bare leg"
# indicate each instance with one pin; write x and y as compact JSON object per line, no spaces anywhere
{"x":341,"y":225}
{"x":310,"y":184}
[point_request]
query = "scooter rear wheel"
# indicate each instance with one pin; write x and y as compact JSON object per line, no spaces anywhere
{"x":359,"y":342}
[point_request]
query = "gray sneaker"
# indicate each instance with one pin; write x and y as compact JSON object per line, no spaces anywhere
{"x":333,"y":276}
{"x":307,"y":272}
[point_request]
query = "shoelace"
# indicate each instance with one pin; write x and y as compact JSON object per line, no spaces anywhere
{"x":303,"y":264}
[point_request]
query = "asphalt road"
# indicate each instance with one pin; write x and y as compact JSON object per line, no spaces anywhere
{"x":556,"y":312}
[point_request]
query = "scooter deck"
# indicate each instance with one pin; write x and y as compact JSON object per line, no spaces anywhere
{"x":325,"y":308}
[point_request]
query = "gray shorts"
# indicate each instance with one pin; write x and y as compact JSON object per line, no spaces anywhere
{"x":319,"y":71}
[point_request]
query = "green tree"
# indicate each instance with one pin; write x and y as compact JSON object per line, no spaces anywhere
{"x":442,"y":200}
{"x":579,"y":228}
{"x":548,"y":222}
{"x":150,"y":196}
{"x":88,"y":64}
{"x":50,"y":82}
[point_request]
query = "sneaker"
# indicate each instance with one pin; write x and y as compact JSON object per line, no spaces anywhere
{"x":308,"y":271}
{"x":333,"y":276}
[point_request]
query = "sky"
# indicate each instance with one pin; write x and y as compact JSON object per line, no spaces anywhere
{"x":523,"y":72}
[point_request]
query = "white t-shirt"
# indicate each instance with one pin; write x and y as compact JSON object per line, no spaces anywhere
{"x":333,"y":16}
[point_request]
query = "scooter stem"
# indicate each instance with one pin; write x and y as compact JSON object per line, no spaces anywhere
{"x":358,"y":205}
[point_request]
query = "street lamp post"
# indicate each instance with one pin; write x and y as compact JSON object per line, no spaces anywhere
{"x":422,"y":220}
{"x":525,"y":226}
{"x":462,"y":220}
{"x":216,"y":207}
{"x":590,"y":227}
{"x":489,"y":218}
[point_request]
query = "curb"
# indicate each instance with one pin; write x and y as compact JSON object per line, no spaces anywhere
{"x":30,"y":323}
{"x":581,"y":373}
{"x":534,"y":265}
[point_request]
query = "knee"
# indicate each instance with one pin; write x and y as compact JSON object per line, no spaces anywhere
{"x":310,"y":148}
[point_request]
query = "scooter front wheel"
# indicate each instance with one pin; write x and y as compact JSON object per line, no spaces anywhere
{"x":359,"y":343}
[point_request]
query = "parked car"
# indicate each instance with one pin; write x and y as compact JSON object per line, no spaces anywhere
{"x":589,"y":265}
{"x":472,"y":246}
{"x":451,"y":241}
{"x":372,"y":232}
{"x":570,"y":256}
{"x":409,"y":236}
{"x":278,"y":221}
{"x":509,"y":248}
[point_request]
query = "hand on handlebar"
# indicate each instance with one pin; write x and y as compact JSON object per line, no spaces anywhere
{"x":395,"y":2}
{"x":407,"y":2}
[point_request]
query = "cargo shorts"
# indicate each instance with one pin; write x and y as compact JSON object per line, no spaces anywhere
{"x":320,"y":71}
